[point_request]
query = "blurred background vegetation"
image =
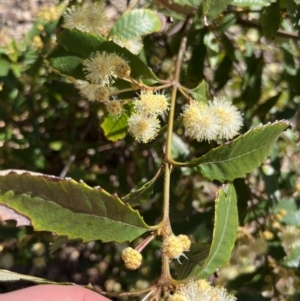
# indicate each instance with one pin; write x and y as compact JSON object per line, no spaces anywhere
{"x":249,"y":54}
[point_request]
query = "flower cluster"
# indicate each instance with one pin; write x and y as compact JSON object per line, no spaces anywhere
{"x":101,"y":68}
{"x":143,"y":124}
{"x":174,"y":246}
{"x":132,"y":258}
{"x":201,"y":290}
{"x":290,"y":238}
{"x":216,"y":120}
{"x":88,"y":18}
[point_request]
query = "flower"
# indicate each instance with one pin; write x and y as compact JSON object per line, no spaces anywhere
{"x":143,"y":128}
{"x":151,"y":104}
{"x":74,"y":17}
{"x":185,"y":241}
{"x":227,"y":116}
{"x":114,"y":108}
{"x":172,"y":247}
{"x":199,"y":122}
{"x":200,"y":290}
{"x":121,"y":67}
{"x":102,"y":67}
{"x":88,"y":18}
{"x":132,"y":258}
{"x":289,"y":237}
{"x":102,"y":94}
{"x":87,"y":90}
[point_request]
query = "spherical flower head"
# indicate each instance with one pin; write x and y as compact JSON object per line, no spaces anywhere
{"x":87,"y":90}
{"x":199,"y":123}
{"x":151,"y":104}
{"x":38,"y":248}
{"x":88,"y":18}
{"x":172,"y":247}
{"x":99,"y":68}
{"x":228,"y":117}
{"x":185,"y":241}
{"x":132,"y":258}
{"x":120,"y":67}
{"x":102,"y":94}
{"x":223,"y":295}
{"x":199,"y":290}
{"x":143,"y":128}
{"x":114,"y":108}
{"x":290,"y":237}
{"x":95,"y":20}
{"x":177,"y":297}
{"x":267,"y":235}
{"x":74,"y":17}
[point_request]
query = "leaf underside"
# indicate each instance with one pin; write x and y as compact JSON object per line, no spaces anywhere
{"x":69,"y":208}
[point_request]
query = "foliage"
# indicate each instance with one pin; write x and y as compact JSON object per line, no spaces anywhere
{"x":162,"y":160}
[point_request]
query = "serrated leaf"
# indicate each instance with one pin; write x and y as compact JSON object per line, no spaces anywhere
{"x":136,"y":23}
{"x":247,"y":3}
{"x":200,"y":93}
{"x":270,"y":20}
{"x":66,"y":207}
{"x":195,"y":259}
{"x":213,"y":8}
{"x":115,"y":128}
{"x":6,"y":276}
{"x":142,"y":194}
{"x":240,"y":156}
{"x":87,"y":43}
{"x":225,"y":231}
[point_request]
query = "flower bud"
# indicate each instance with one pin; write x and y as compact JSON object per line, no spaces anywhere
{"x":185,"y":241}
{"x":132,"y":258}
{"x":172,"y":247}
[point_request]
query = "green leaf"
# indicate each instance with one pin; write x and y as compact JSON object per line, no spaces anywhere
{"x":196,"y":63}
{"x":225,"y":231}
{"x":222,"y":74}
{"x":263,"y":109}
{"x":66,"y":63}
{"x":294,"y":13}
{"x":6,"y":276}
{"x":87,"y":43}
{"x":240,"y":156}
{"x":292,"y":211}
{"x":193,"y":3}
{"x":213,"y":8}
{"x":136,"y":23}
{"x":195,"y":258}
{"x":200,"y":93}
{"x":247,"y":3}
{"x":292,"y":260}
{"x":66,"y":207}
{"x":115,"y":128}
{"x":270,"y":20}
{"x":142,"y":194}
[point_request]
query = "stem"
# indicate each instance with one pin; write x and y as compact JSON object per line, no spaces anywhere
{"x":166,"y":278}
